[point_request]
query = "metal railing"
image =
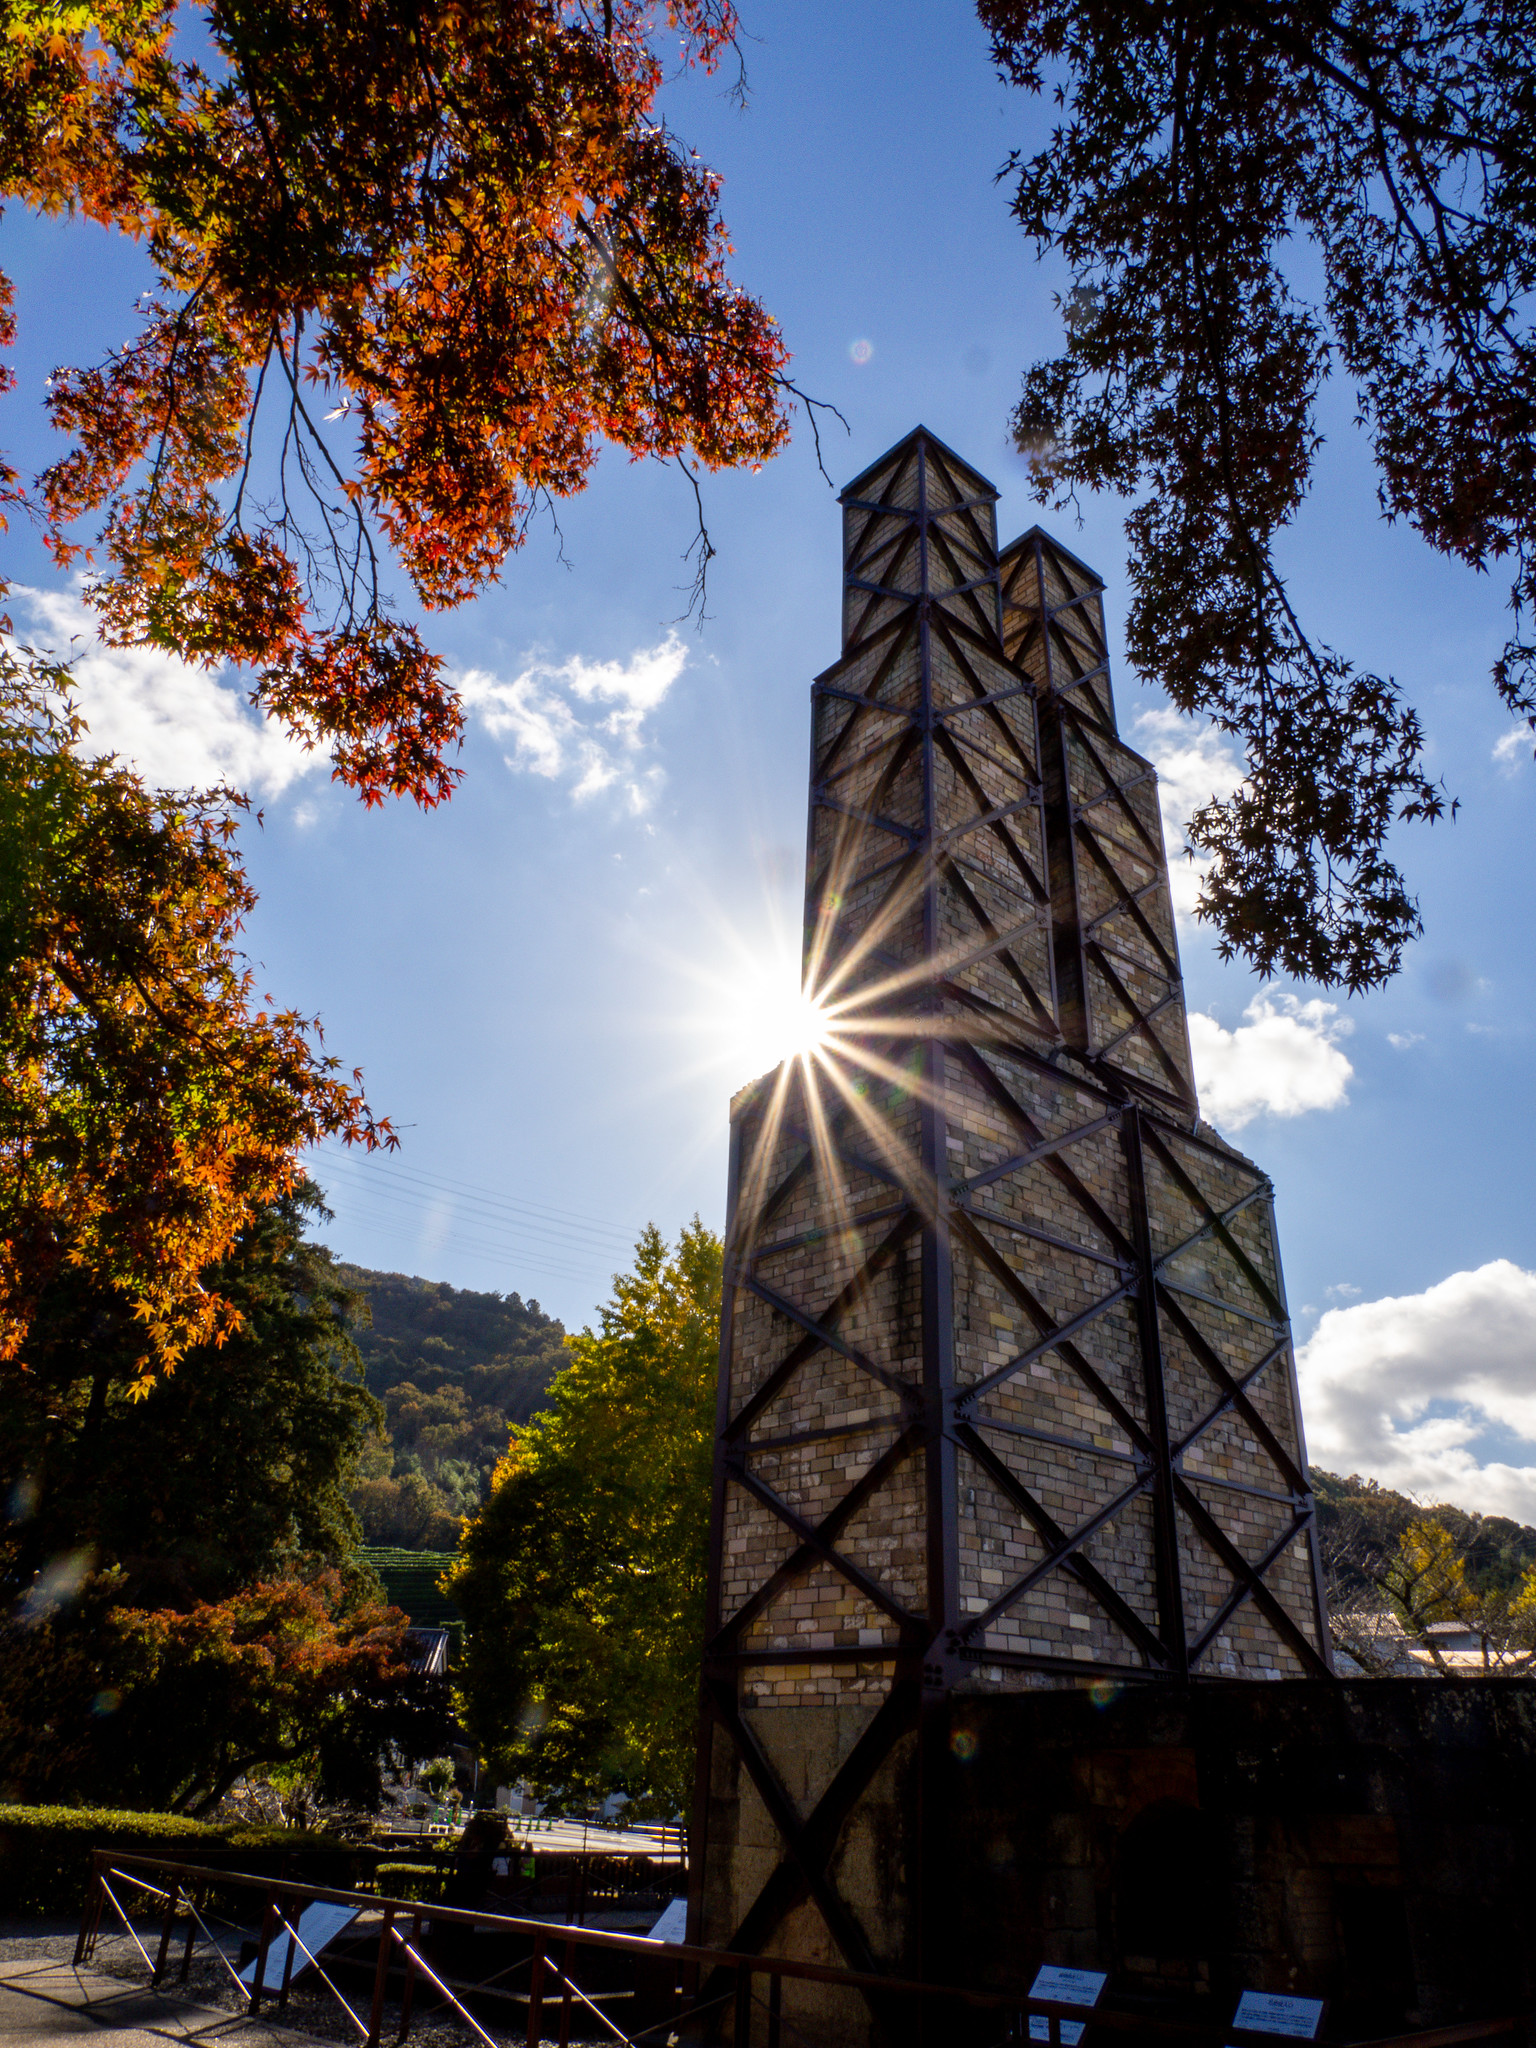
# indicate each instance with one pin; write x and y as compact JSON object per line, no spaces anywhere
{"x":712,"y":1995}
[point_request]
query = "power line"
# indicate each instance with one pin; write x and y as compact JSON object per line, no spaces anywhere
{"x":516,"y":1233}
{"x":409,"y":1171}
{"x":546,"y":1220}
{"x":413,"y":1227}
{"x":530,"y":1274}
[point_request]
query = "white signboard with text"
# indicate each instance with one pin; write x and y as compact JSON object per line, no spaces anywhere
{"x":1269,"y":2012}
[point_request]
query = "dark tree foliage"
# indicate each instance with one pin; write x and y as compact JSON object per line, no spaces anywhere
{"x":454,"y":1369}
{"x":176,"y":1563}
{"x":228,"y":1467}
{"x":158,"y":1708}
{"x":1206,"y":159}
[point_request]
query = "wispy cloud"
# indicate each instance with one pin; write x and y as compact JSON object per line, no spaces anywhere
{"x":1432,"y":1392}
{"x":1284,"y":1061}
{"x":581,"y":723}
{"x":1194,"y":763}
{"x":180,"y":726}
{"x":1512,"y":749}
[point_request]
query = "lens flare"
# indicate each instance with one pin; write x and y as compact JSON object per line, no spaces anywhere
{"x":806,"y":1026}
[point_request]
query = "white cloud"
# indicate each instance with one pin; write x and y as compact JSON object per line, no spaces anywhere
{"x":1403,"y":1041}
{"x":1284,"y":1061}
{"x":180,"y":726}
{"x":1512,"y":749}
{"x":1433,"y":1393}
{"x":581,"y":722}
{"x":1194,"y":763}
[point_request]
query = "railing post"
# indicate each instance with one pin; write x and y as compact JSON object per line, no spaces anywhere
{"x":565,"y":1996}
{"x":186,"y":1947}
{"x":380,"y":1977}
{"x":90,"y":1912}
{"x":172,"y":1901}
{"x":775,"y":2002}
{"x":536,"y":1999}
{"x":408,"y":1996}
{"x":293,"y":1949}
{"x":742,"y":2033}
{"x":259,"y":1975}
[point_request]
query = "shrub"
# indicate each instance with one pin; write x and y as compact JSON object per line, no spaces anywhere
{"x":45,"y":1851}
{"x":422,"y":1882}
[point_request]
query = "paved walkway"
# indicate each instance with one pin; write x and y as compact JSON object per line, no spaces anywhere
{"x":45,"y":2003}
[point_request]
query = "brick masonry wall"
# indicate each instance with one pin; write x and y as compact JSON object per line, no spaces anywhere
{"x":1007,"y":1394}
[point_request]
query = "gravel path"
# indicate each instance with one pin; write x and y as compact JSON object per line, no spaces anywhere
{"x":311,"y":2010}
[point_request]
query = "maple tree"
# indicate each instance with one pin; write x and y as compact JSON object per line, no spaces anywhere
{"x":1209,"y":163}
{"x":165,"y":1709}
{"x":415,"y":263}
{"x":149,"y":1108}
{"x":582,"y":1578}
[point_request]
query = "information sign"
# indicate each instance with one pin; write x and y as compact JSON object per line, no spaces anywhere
{"x":318,"y":1924}
{"x":1268,"y":2012}
{"x":673,"y":1924}
{"x":1068,"y":1987}
{"x":1068,"y":2032}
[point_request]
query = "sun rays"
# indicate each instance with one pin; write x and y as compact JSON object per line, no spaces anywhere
{"x":856,"y":1045}
{"x":838,"y":1021}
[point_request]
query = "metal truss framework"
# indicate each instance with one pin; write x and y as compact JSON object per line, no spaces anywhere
{"x":1006,"y":1393}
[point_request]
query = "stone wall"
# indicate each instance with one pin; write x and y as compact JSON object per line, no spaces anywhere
{"x":1370,"y":1842}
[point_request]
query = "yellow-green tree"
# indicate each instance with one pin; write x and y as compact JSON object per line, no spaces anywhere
{"x":1425,"y":1578}
{"x":582,"y":1578}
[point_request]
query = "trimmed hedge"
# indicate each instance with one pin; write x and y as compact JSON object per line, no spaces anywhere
{"x":45,"y":1851}
{"x":423,"y":1882}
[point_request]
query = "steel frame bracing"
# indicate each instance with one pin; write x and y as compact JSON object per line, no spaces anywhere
{"x":1006,"y":1393}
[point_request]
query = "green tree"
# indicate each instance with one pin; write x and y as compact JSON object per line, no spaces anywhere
{"x":582,"y":1578}
{"x":1248,"y":199}
{"x":452,"y":1368}
{"x":436,"y":1777}
{"x":234,"y":1464}
{"x":177,"y":1566}
{"x":405,"y":1511}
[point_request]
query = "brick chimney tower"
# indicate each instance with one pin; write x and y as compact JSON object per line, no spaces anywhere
{"x":1007,"y":1399}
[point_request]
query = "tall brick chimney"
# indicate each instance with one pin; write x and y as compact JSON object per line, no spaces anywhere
{"x":1007,"y":1398}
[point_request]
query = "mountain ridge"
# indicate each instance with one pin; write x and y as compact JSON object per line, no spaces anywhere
{"x":455,"y":1369}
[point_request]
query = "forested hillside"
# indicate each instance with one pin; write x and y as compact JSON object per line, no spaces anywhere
{"x":454,"y":1370}
{"x":1498,"y":1552}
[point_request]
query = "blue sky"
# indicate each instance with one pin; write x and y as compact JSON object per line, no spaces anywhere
{"x":555,"y":982}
